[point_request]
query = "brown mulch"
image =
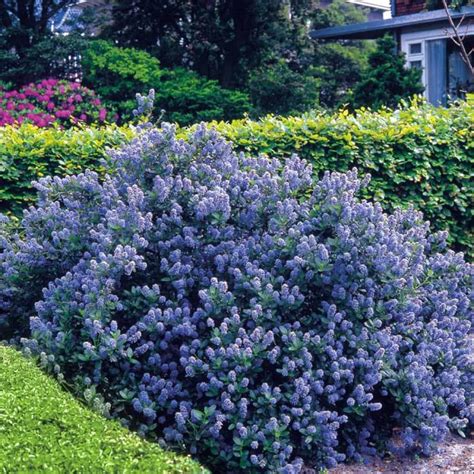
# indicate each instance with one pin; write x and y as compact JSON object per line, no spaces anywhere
{"x":455,"y":455}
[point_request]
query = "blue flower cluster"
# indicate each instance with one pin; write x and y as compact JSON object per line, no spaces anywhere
{"x":144,"y":104}
{"x":229,"y":306}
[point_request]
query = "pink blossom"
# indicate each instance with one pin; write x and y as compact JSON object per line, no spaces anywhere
{"x":63,"y":114}
{"x":50,"y":101}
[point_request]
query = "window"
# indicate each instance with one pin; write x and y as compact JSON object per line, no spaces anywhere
{"x":415,"y":48}
{"x":415,"y":56}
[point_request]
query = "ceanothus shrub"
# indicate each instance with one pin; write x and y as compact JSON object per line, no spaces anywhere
{"x":228,"y":306}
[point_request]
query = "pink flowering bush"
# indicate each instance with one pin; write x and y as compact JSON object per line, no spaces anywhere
{"x":52,"y":101}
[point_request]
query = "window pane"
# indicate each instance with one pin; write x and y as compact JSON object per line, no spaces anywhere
{"x":415,"y":48}
{"x":415,"y":64}
{"x":436,"y":71}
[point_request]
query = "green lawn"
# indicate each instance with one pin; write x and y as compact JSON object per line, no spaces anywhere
{"x":44,"y":429}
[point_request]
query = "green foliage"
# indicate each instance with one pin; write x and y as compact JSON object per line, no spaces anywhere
{"x":420,"y":155}
{"x":118,"y":73}
{"x":28,"y":153}
{"x":438,"y":4}
{"x":278,"y":89}
{"x":42,"y":60}
{"x":386,"y":81}
{"x":339,"y":63}
{"x":220,"y":40}
{"x":43,"y":429}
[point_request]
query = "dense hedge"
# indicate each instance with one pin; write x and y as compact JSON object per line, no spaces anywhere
{"x":43,"y":429}
{"x":28,"y":153}
{"x":420,"y":155}
{"x":231,"y":305}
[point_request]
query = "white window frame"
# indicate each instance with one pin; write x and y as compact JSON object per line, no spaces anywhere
{"x":416,"y":56}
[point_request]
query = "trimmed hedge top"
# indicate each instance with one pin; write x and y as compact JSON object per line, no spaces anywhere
{"x":420,"y":155}
{"x":43,"y":429}
{"x":28,"y":153}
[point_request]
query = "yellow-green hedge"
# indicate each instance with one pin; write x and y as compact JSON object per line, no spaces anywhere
{"x":420,"y":154}
{"x":28,"y":153}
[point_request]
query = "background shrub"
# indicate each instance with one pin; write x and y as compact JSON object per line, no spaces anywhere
{"x":214,"y":306}
{"x":51,"y":102}
{"x":386,"y":80}
{"x":118,"y":73}
{"x":277,"y":88}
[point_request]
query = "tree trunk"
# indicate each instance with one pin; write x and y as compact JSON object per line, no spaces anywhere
{"x":241,"y":17}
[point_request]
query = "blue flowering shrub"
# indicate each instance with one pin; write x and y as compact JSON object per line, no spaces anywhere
{"x":228,"y":306}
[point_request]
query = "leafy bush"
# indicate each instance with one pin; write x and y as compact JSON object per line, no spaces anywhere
{"x":28,"y":153}
{"x":420,"y":155}
{"x":51,"y":102}
{"x":215,"y":305}
{"x":118,"y":73}
{"x":51,"y":56}
{"x":45,"y":430}
{"x":277,"y":88}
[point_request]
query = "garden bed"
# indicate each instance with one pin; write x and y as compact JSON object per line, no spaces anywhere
{"x":455,"y":455}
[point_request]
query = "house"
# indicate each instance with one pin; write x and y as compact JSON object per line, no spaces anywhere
{"x":376,"y":9}
{"x":68,"y":19}
{"x":425,"y":38}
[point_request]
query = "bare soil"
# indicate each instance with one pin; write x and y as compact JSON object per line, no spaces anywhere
{"x":455,"y":455}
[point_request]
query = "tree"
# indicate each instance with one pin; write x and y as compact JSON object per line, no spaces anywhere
{"x":456,"y":35}
{"x":339,"y":63}
{"x":24,"y":22}
{"x":386,"y":80}
{"x":221,"y":39}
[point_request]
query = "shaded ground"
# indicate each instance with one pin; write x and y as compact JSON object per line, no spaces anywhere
{"x":456,"y":455}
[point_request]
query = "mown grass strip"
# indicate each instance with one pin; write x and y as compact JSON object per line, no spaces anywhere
{"x":44,"y":429}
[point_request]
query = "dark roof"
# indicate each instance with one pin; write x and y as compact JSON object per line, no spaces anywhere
{"x":374,"y":29}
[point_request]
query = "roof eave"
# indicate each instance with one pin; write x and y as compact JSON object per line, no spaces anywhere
{"x":374,"y":29}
